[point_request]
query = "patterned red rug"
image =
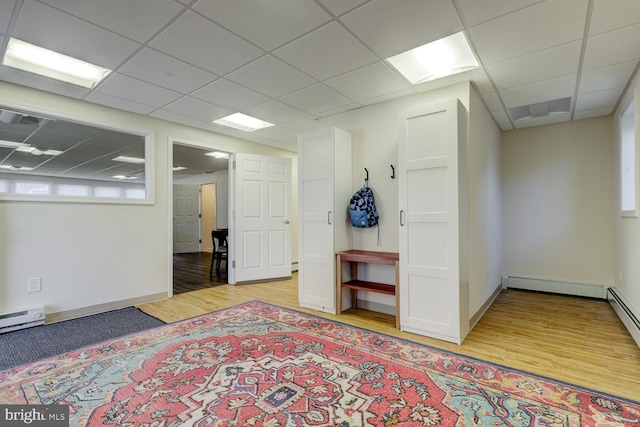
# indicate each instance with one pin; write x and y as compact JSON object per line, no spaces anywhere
{"x":261,"y":365}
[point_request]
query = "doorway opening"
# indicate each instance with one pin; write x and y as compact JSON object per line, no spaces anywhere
{"x":200,"y":205}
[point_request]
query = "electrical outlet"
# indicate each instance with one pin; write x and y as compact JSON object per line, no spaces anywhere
{"x":34,"y":284}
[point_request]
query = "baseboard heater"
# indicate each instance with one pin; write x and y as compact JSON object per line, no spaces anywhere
{"x":21,"y":319}
{"x":625,"y":312}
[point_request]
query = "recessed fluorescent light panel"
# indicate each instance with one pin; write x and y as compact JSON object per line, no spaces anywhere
{"x":178,"y":168}
{"x":441,"y":58}
{"x":243,"y":122}
{"x":127,"y":159}
{"x":129,"y":177}
{"x":218,"y":155}
{"x":45,"y":62}
{"x":36,"y":152}
{"x":11,"y":144}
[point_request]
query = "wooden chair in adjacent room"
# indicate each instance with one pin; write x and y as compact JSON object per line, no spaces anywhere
{"x":219,"y":251}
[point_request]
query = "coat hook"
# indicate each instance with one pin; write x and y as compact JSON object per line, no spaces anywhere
{"x":393,"y":172}
{"x":367,"y":171}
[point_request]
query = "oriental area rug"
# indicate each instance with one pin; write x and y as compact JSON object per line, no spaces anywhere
{"x":261,"y":365}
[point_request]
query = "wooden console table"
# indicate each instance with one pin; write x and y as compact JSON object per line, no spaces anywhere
{"x":366,"y":257}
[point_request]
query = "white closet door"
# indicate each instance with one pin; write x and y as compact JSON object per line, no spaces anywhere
{"x":316,"y":262}
{"x":431,"y":155}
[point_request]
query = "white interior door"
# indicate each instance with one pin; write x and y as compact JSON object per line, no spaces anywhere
{"x":186,"y":218}
{"x":262,"y":232}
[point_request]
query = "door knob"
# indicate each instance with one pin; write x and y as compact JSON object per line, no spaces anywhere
{"x":286,"y":221}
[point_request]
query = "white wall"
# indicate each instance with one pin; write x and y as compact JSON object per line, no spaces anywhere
{"x":626,"y":269}
{"x":91,"y":255}
{"x":374,"y":131}
{"x":557,"y":200}
{"x":485,"y":199}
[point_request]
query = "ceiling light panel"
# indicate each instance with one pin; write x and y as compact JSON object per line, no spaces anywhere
{"x":45,"y":62}
{"x":440,"y":58}
{"x":243,"y":122}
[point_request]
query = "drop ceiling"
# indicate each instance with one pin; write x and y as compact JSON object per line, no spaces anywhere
{"x":290,"y":62}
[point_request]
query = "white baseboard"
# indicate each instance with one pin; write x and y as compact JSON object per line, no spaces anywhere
{"x":556,"y":287}
{"x":101,"y":308}
{"x":629,"y":316}
{"x":478,"y":315}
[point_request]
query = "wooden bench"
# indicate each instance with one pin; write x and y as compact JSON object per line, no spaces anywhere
{"x":366,"y":257}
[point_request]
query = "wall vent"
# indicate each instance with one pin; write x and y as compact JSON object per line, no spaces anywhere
{"x":21,"y":319}
{"x":541,"y":109}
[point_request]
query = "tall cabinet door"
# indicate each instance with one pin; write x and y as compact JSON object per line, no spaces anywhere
{"x":324,"y":178}
{"x":433,"y":221}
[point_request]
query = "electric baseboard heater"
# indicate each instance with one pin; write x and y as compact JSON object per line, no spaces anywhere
{"x":21,"y":319}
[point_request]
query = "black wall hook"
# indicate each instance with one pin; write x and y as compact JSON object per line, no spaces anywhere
{"x":393,"y":172}
{"x":367,"y":171}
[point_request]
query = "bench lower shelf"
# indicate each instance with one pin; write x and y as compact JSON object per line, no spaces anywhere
{"x":362,"y":285}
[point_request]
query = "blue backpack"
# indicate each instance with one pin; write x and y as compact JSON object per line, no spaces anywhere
{"x":362,"y":208}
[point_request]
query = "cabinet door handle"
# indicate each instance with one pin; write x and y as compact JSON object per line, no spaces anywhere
{"x":329,"y":218}
{"x":402,"y":218}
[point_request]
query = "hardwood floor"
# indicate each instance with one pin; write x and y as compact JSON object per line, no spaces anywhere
{"x":191,"y":272}
{"x":577,"y":340}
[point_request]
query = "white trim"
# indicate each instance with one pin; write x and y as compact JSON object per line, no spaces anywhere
{"x":555,"y":286}
{"x":101,"y":308}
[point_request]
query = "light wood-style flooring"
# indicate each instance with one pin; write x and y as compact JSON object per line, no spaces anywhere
{"x":576,"y":340}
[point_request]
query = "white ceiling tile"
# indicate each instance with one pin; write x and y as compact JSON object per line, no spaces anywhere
{"x":546,"y":90}
{"x":343,"y":52}
{"x":6,"y":8}
{"x":612,"y":47}
{"x":388,"y":29}
{"x":502,"y":119}
{"x":388,"y":97}
{"x":268,"y":24}
{"x":604,"y":98}
{"x":543,"y":25}
{"x":275,"y":112}
{"x":131,"y":89}
{"x":607,"y":77}
{"x":200,"y":42}
{"x":316,"y":99}
{"x":557,"y":61}
{"x":368,"y":82}
{"x":587,"y":114}
{"x":277,"y":133}
{"x":123,"y":16}
{"x":338,"y":7}
{"x":478,"y":11}
{"x":197,"y":109}
{"x":119,"y":103}
{"x":47,"y":27}
{"x":339,"y":110}
{"x":177,"y":118}
{"x":541,"y":121}
{"x":271,"y":76}
{"x":493,"y":101}
{"x":163,"y":70}
{"x":304,"y":124}
{"x":229,"y":94}
{"x":609,"y":15}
